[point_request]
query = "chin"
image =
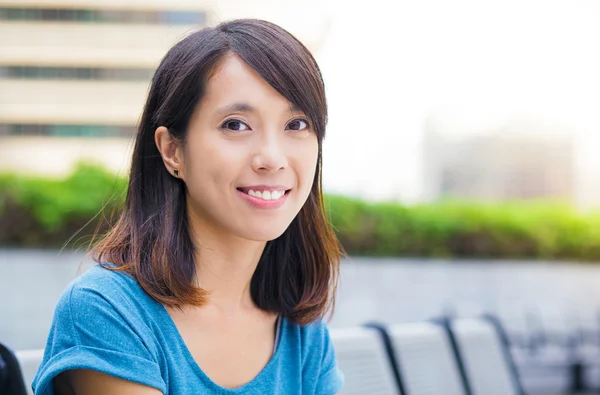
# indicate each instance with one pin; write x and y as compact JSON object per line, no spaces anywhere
{"x":265,"y":233}
{"x":264,"y":236}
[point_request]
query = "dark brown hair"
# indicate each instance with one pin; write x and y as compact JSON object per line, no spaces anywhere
{"x":297,"y":272}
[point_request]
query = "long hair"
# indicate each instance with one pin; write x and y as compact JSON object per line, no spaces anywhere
{"x":298,"y":272}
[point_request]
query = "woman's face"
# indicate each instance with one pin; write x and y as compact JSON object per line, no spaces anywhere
{"x":250,"y":156}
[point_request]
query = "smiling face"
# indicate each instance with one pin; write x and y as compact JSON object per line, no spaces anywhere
{"x":250,"y":156}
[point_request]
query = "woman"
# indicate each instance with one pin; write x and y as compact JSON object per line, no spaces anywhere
{"x":222,"y":265}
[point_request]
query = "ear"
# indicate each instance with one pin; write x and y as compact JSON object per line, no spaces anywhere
{"x":171,"y":151}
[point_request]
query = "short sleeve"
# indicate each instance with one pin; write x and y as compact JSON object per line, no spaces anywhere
{"x":331,"y":378}
{"x":91,"y":331}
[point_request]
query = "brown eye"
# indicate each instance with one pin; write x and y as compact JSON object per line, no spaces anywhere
{"x":298,"y":124}
{"x":235,"y":125}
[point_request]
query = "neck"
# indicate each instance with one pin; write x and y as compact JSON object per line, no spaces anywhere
{"x":224,"y":267}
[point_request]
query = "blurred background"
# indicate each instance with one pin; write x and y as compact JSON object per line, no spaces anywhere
{"x":460,"y":162}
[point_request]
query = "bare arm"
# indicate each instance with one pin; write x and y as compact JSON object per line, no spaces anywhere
{"x":91,"y":382}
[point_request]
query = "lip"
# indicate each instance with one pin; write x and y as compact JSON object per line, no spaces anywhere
{"x":265,"y":187}
{"x":264,"y":204}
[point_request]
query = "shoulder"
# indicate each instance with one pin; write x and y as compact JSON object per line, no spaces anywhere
{"x":314,"y":340}
{"x":315,"y":334}
{"x":105,"y":302}
{"x":102,"y":287}
{"x":101,"y":279}
{"x":319,"y":362}
{"x":309,"y":342}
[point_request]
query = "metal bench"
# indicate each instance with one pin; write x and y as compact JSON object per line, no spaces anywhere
{"x":425,"y":359}
{"x":482,"y":349}
{"x":363,"y":359}
{"x":30,"y":361}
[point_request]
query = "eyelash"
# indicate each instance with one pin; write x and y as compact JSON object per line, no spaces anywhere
{"x":300,"y":120}
{"x":224,"y":124}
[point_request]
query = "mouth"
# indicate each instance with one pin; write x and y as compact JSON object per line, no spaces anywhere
{"x":266,"y":194}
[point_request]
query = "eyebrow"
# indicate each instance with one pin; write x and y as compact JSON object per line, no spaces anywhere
{"x":244,"y":107}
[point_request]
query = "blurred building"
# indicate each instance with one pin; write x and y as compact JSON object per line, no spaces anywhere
{"x":74,"y":73}
{"x":518,"y":161}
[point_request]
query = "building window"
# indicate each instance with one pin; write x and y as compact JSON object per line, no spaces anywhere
{"x":103,"y":16}
{"x":66,"y":130}
{"x":76,"y":73}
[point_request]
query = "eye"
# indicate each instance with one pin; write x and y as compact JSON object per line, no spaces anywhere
{"x":235,"y":125}
{"x":298,"y":124}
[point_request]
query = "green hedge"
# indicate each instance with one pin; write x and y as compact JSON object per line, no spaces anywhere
{"x":535,"y":230}
{"x":40,"y":212}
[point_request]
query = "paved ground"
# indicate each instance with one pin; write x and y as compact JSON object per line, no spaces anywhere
{"x":390,"y":290}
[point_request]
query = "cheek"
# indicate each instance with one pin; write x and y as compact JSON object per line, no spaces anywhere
{"x":308,"y":163}
{"x":206,"y":153}
{"x":204,"y":166}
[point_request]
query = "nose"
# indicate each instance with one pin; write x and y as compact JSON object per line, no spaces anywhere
{"x":270,"y":155}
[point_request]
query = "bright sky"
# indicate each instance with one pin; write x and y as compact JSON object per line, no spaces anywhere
{"x":472,"y":64}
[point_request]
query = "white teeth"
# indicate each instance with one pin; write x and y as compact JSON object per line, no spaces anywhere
{"x":266,"y":195}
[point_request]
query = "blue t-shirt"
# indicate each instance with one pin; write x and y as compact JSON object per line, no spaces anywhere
{"x":106,"y":322}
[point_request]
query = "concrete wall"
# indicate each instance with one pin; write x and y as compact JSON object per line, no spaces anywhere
{"x":55,"y":156}
{"x":71,"y":102}
{"x":86,"y":44}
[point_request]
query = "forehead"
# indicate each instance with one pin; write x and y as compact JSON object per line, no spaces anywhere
{"x":235,"y":81}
